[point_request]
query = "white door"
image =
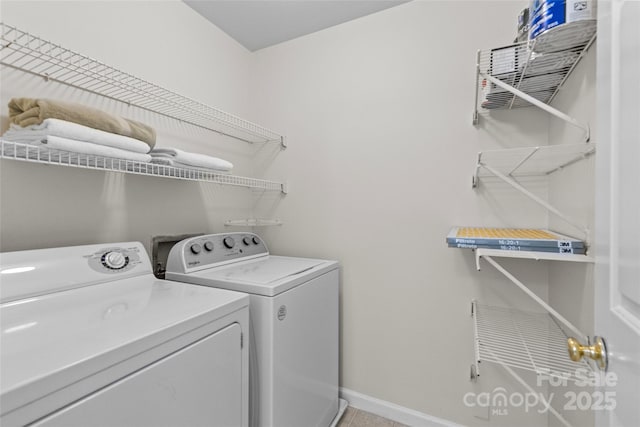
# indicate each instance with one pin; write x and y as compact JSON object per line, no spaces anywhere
{"x":617,"y":304}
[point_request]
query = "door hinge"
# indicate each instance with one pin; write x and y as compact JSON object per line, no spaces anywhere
{"x":241,"y":340}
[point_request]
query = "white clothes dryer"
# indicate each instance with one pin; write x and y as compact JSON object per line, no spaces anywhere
{"x":90,"y":337}
{"x":294,"y":323}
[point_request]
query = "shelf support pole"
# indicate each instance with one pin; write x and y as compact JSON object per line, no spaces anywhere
{"x":572,"y":161}
{"x":476,"y":341}
{"x":535,"y":297}
{"x":549,"y":109}
{"x":535,"y":198}
{"x":476,"y":117}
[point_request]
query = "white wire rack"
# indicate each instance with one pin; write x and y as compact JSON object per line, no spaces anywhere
{"x":531,"y":161}
{"x":32,"y":54}
{"x":525,"y":340}
{"x":252,"y":222}
{"x":520,"y":66}
{"x":508,"y":164}
{"x":530,"y":73}
{"x":489,"y":254}
{"x":44,"y":155}
{"x":530,"y":341}
{"x":534,"y":255}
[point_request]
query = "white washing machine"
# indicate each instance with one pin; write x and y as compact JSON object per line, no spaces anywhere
{"x":91,"y":338}
{"x":294,"y":321}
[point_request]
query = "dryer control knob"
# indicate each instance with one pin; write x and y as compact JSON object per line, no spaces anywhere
{"x":208,"y":246}
{"x":255,"y":240}
{"x":246,"y":241}
{"x":196,"y":249}
{"x":229,"y":242}
{"x":114,"y":260}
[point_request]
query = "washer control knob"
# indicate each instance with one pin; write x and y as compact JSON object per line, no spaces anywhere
{"x":246,"y":241}
{"x":208,"y":246}
{"x":255,"y":240}
{"x":229,"y":242}
{"x":196,"y":249}
{"x":114,"y":260}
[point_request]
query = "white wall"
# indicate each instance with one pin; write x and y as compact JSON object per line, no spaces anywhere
{"x":167,"y":43}
{"x":377,"y":112}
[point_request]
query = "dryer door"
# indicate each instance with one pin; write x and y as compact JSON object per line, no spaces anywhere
{"x":196,"y":386}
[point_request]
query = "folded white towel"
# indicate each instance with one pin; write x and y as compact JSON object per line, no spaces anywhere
{"x":83,"y":147}
{"x":192,"y":159}
{"x":64,"y":129}
{"x":169,"y":161}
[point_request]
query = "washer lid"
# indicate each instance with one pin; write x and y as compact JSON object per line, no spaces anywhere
{"x":267,"y":276}
{"x":54,"y":340}
{"x":266,"y":270}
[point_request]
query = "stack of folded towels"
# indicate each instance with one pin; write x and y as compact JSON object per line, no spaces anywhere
{"x":80,"y":129}
{"x":77,"y":128}
{"x":182,"y":159}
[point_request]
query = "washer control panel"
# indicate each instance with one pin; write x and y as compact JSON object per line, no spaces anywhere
{"x":215,"y":248}
{"x":113,"y":260}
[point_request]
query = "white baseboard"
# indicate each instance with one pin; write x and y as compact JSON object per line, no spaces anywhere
{"x":392,"y":411}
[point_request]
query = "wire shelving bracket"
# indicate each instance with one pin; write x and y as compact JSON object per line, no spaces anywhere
{"x":34,"y":55}
{"x":508,"y":164}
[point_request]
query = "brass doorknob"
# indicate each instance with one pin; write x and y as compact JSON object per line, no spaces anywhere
{"x":596,"y":352}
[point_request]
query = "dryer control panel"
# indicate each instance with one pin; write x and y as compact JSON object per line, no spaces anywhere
{"x":115,"y":259}
{"x":214,"y":249}
{"x":37,"y":272}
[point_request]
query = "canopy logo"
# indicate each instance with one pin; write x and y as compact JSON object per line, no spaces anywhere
{"x":498,"y":400}
{"x":596,"y":394}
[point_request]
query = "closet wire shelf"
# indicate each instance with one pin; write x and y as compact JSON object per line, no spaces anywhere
{"x":252,"y":222}
{"x":508,"y":164}
{"x":28,"y":53}
{"x":525,"y":340}
{"x":520,"y":66}
{"x":44,"y":155}
{"x":530,"y":161}
{"x":537,"y":256}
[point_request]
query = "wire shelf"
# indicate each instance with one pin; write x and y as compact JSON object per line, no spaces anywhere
{"x":535,"y":68}
{"x":253,"y":222}
{"x":44,"y":155}
{"x":29,"y":53}
{"x":532,"y":161}
{"x":537,"y":256}
{"x":508,"y":164}
{"x":526,"y":340}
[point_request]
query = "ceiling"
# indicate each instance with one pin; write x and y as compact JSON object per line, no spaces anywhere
{"x":257,"y":24}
